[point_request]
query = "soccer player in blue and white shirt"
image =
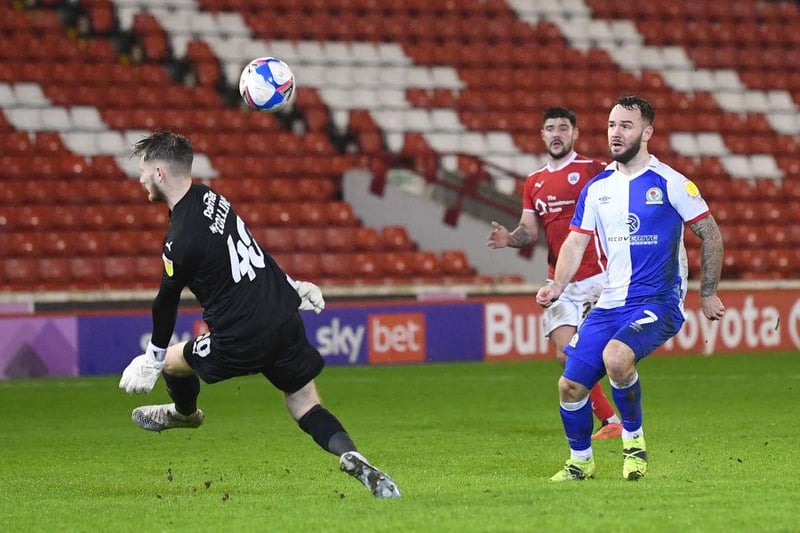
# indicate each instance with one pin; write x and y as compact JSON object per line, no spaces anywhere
{"x":637,"y":208}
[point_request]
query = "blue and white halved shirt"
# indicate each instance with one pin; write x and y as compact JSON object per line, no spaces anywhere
{"x":639,"y":221}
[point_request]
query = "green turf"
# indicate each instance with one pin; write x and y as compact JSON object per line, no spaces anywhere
{"x":470,"y":445}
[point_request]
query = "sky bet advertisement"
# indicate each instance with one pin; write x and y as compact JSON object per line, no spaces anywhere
{"x":492,"y":328}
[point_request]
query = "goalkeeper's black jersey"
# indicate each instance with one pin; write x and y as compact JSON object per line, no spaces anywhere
{"x":208,"y":248}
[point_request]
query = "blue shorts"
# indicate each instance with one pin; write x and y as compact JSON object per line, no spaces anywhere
{"x":643,"y":327}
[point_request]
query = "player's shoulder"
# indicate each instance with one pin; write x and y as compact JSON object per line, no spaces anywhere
{"x":538,"y":172}
{"x":581,"y":159}
{"x":665,"y":171}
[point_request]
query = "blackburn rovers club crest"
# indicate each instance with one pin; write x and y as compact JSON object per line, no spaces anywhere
{"x":573,"y":178}
{"x":654,"y":195}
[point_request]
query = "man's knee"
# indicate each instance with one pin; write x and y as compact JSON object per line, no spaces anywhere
{"x":174,"y":362}
{"x":620,"y":361}
{"x":571,"y":391}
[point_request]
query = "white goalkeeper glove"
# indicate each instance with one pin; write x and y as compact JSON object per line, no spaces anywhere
{"x":310,"y":297}
{"x":141,"y":374}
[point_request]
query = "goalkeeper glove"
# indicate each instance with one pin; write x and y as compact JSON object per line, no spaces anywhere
{"x":141,"y":374}
{"x":310,"y":297}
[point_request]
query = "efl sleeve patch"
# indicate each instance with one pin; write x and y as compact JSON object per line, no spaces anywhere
{"x":691,"y":188}
{"x":168,"y":268}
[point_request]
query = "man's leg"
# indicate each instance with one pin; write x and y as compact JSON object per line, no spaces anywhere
{"x":601,"y":407}
{"x":183,"y":386}
{"x":627,"y":392}
{"x":576,"y":416}
{"x":322,"y":425}
{"x":330,"y":435}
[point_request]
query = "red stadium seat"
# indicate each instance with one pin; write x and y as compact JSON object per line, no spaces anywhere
{"x":338,"y":239}
{"x":306,"y":266}
{"x":316,"y":189}
{"x":367,"y":238}
{"x":366,"y":265}
{"x":273,"y":214}
{"x":54,"y":272}
{"x":337,"y":265}
{"x":57,"y":243}
{"x":149,"y":269}
{"x":308,"y":239}
{"x":21,"y":273}
{"x":341,"y":214}
{"x":455,"y":262}
{"x":313,"y":213}
{"x":277,"y":239}
{"x":88,"y":243}
{"x":24,"y":244}
{"x":397,"y":238}
{"x":426,"y":264}
{"x":120,"y":270}
{"x":86,"y":272}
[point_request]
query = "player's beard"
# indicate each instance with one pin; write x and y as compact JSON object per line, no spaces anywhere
{"x":628,"y":155}
{"x":154,"y":194}
{"x":565,"y":149}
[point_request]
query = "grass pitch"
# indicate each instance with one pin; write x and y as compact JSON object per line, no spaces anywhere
{"x":470,"y":445}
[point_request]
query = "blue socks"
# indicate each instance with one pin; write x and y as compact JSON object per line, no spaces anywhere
{"x":629,"y":404}
{"x":578,"y":423}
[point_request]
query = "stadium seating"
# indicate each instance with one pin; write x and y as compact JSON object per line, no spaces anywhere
{"x":723,"y":77}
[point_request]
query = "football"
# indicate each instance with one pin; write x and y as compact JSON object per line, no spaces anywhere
{"x":267,"y":84}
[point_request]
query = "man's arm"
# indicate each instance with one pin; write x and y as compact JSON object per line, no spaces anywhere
{"x":524,"y":234}
{"x":141,"y":374}
{"x":711,"y":256}
{"x":165,"y":314}
{"x":569,"y":260}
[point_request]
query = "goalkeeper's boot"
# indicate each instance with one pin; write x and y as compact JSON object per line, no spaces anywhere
{"x":634,"y":465}
{"x":609,"y":430}
{"x":575,"y":469}
{"x":161,"y":417}
{"x":381,"y":485}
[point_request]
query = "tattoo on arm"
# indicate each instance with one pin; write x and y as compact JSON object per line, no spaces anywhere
{"x":520,"y":237}
{"x":711,"y":254}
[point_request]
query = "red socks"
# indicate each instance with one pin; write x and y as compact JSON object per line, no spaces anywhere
{"x":601,"y":407}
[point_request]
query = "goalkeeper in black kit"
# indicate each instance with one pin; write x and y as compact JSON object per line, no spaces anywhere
{"x":250,"y":305}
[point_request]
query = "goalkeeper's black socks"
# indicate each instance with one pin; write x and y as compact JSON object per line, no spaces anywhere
{"x":184,"y":392}
{"x":326,"y":430}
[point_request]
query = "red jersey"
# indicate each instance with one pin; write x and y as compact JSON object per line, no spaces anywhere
{"x":551,"y":193}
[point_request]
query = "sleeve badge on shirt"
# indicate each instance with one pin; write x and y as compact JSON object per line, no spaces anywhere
{"x":654,"y":195}
{"x":691,"y":188}
{"x":168,"y":268}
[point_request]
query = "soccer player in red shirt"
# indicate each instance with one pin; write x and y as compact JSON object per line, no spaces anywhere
{"x":548,"y":201}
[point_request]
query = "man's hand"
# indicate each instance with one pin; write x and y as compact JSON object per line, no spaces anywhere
{"x":141,"y":374}
{"x":549,"y":294}
{"x":498,"y":237}
{"x":310,"y":296}
{"x":712,"y":306}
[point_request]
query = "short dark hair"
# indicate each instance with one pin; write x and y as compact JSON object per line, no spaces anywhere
{"x":560,"y":112}
{"x":631,"y":101}
{"x":166,"y":146}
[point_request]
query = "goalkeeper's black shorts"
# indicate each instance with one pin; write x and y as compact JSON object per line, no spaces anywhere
{"x":284,"y":356}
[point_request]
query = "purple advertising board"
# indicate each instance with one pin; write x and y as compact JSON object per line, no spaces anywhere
{"x":345,"y":335}
{"x":407,"y":333}
{"x":33,"y":347}
{"x":108,"y":342}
